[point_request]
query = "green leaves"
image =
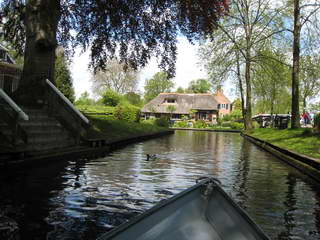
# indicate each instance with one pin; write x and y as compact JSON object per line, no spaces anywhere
{"x":159,"y":83}
{"x":63,"y":77}
{"x":199,"y":86}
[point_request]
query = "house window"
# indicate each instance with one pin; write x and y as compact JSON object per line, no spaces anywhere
{"x":226,"y":106}
{"x":170,"y":100}
{"x":219,"y":106}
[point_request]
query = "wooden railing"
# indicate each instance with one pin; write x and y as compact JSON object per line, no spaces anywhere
{"x":10,"y":114}
{"x":61,"y":108}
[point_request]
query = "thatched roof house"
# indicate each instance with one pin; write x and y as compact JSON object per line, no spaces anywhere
{"x":203,"y":106}
{"x":182,"y":102}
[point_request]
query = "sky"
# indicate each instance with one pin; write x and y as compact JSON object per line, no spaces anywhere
{"x":187,"y":69}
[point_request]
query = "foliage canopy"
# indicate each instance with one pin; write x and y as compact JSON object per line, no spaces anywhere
{"x":63,"y":77}
{"x":199,"y":86}
{"x":159,"y":83}
{"x":133,"y":29}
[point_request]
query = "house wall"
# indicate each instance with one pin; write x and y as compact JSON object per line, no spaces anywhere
{"x":225,"y":109}
{"x":224,"y":104}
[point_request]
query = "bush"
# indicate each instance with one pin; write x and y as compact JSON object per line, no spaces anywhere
{"x":316,"y":121}
{"x":227,"y":118}
{"x":225,"y":124}
{"x":133,"y":98}
{"x":111,"y":98}
{"x":255,"y":125}
{"x":200,"y":124}
{"x":84,"y":99}
{"x":236,"y":114}
{"x":181,"y":124}
{"x":307,"y":132}
{"x":162,"y":122}
{"x":127,"y":112}
{"x":236,"y":125}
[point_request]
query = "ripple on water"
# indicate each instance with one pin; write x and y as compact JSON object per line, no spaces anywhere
{"x":81,"y":199}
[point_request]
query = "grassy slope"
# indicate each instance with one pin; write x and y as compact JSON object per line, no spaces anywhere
{"x":299,"y":140}
{"x":106,"y":127}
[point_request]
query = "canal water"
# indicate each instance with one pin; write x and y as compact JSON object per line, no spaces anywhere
{"x":83,"y":198}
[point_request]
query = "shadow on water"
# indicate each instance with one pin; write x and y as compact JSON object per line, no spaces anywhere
{"x":81,"y":198}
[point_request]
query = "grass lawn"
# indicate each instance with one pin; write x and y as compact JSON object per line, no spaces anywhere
{"x":111,"y":129}
{"x":301,"y":140}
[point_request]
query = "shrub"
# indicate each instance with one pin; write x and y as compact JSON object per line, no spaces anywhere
{"x":236,"y":125}
{"x":181,"y":124}
{"x":255,"y":125}
{"x":111,"y":98}
{"x":236,"y":114}
{"x":84,"y":99}
{"x":307,"y":132}
{"x":200,"y":124}
{"x":127,"y":112}
{"x":162,"y":122}
{"x":316,"y":121}
{"x":225,"y":124}
{"x":133,"y":98}
{"x":226,"y":118}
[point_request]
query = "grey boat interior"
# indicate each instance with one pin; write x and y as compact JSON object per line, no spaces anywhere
{"x":203,"y":212}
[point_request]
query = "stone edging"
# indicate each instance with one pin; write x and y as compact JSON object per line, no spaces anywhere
{"x":86,"y":152}
{"x":309,"y":166}
{"x":208,"y":130}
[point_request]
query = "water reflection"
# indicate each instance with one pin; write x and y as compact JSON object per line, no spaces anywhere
{"x":81,"y":198}
{"x":242,"y":169}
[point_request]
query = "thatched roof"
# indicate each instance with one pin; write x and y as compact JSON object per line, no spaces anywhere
{"x":183,"y":103}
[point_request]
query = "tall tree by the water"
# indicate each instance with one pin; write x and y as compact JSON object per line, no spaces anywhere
{"x":131,"y":30}
{"x":237,"y":44}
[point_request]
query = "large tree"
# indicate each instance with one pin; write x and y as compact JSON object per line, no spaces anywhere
{"x":199,"y":86}
{"x":271,"y":83}
{"x":159,"y":83}
{"x":250,"y":24}
{"x":310,"y":78}
{"x":304,"y":14}
{"x":63,"y":76}
{"x":131,"y":30}
{"x":114,"y":77}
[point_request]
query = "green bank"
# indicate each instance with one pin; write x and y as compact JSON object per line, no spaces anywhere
{"x":117,"y":123}
{"x":304,"y":140}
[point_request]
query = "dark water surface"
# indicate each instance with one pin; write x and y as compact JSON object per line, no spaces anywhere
{"x":80,"y":199}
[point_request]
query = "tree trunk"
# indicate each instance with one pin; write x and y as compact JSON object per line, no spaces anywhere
{"x":295,"y":113}
{"x":241,"y":91}
{"x":248,"y":116}
{"x":304,"y":103}
{"x":273,"y":97}
{"x":41,"y":21}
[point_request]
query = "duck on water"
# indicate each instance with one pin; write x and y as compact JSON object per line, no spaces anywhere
{"x":151,"y":157}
